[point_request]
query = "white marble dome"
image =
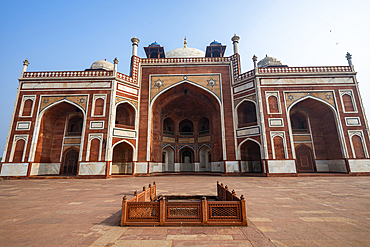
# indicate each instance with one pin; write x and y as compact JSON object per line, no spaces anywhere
{"x":185,"y":52}
{"x":269,"y":61}
{"x":101,"y":64}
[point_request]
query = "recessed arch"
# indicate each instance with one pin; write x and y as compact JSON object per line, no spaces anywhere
{"x":122,"y":160}
{"x":189,"y":82}
{"x":246,"y":112}
{"x":171,"y":105}
{"x":245,"y":140}
{"x":250,"y":157}
{"x":125,"y":115}
{"x":336,"y":119}
{"x":52,"y":122}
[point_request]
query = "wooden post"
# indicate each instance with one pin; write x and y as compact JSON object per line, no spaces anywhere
{"x":150,"y":192}
{"x":225,"y":193}
{"x":234,"y":194}
{"x":124,"y":211}
{"x":155,"y":190}
{"x":243,"y":205}
{"x":162,"y":211}
{"x":204,"y":211}
{"x":136,"y":196}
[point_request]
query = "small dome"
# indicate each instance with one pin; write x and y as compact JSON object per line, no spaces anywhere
{"x":215,"y":43}
{"x":269,"y":61}
{"x":155,"y":44}
{"x":185,"y":52}
{"x":101,"y":64}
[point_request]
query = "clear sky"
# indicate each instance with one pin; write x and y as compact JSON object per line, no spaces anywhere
{"x":71,"y":35}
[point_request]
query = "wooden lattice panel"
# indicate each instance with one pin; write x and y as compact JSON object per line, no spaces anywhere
{"x":184,"y":211}
{"x":143,"y":211}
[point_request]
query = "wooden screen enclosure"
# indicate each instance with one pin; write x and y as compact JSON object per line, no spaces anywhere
{"x":148,"y":209}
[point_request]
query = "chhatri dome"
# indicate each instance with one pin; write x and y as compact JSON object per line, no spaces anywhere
{"x":185,"y":52}
{"x":269,"y":61}
{"x":102,"y":64}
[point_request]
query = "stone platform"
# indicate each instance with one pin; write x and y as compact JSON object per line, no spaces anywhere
{"x":295,"y":211}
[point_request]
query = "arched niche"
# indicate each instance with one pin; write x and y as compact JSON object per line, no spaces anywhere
{"x":125,"y":116}
{"x":246,"y":114}
{"x":122,"y":159}
{"x":250,"y":157}
{"x":55,"y":122}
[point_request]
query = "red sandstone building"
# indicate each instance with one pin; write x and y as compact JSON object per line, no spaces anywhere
{"x":188,"y":111}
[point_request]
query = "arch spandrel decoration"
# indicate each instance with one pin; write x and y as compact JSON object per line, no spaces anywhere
{"x":161,"y":82}
{"x":250,"y":97}
{"x":292,"y":97}
{"x":80,"y":100}
{"x":120,"y":99}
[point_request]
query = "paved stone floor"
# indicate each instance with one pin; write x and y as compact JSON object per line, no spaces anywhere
{"x":299,"y":211}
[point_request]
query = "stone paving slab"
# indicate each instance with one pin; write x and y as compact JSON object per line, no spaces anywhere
{"x":300,"y":211}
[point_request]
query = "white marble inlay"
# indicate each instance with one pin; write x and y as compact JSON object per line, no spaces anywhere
{"x":281,"y":166}
{"x":45,"y":169}
{"x":97,"y":125}
{"x":353,"y":121}
{"x":65,"y":85}
{"x":243,"y":87}
{"x":124,"y":167}
{"x":307,"y":81}
{"x":217,"y":166}
{"x":276,"y":122}
{"x":127,"y":89}
{"x":14,"y":169}
{"x":124,"y":133}
{"x":232,"y":166}
{"x":359,"y":165}
{"x":141,"y":167}
{"x":249,"y":131}
{"x":92,"y":168}
{"x":23,"y":125}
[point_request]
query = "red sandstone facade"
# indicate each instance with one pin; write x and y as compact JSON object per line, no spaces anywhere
{"x":182,"y":113}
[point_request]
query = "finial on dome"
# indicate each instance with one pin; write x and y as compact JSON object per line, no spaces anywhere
{"x":185,"y":43}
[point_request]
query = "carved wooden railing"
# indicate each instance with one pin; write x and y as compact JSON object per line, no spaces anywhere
{"x":146,"y":209}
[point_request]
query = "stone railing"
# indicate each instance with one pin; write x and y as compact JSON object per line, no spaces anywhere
{"x":62,"y":74}
{"x":327,"y":69}
{"x":244,"y":75}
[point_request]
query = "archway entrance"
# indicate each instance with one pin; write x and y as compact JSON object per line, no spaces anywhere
{"x":205,"y":159}
{"x":187,"y":160}
{"x":168,"y":160}
{"x":70,"y":162}
{"x":251,"y":157}
{"x":186,"y":117}
{"x":122,"y":159}
{"x":315,"y":136}
{"x":305,"y":160}
{"x":60,"y":136}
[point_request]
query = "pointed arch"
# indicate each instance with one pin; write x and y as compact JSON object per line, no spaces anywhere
{"x":190,"y":82}
{"x":336,"y":119}
{"x":245,"y":140}
{"x":39,"y":119}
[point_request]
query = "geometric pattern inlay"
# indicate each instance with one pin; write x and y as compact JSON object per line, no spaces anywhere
{"x":292,"y":97}
{"x":209,"y":81}
{"x":119,"y":99}
{"x":80,"y":100}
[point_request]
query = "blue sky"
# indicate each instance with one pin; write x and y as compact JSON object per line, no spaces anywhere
{"x":71,"y":35}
